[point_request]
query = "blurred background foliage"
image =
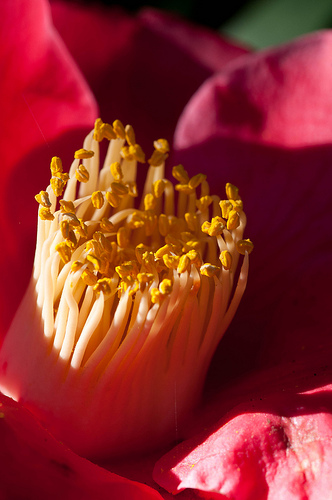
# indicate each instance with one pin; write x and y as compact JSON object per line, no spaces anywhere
{"x":258,"y":23}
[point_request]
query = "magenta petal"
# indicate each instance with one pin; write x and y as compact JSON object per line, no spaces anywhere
{"x":278,"y":448}
{"x":35,"y":466}
{"x":142,"y":69}
{"x":279,"y":96}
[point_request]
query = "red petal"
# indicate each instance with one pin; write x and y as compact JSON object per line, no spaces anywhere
{"x":35,"y":466}
{"x":142,"y":69}
{"x":286,"y":193}
{"x":279,"y":447}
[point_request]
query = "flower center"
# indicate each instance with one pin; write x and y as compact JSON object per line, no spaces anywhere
{"x":131,"y":291}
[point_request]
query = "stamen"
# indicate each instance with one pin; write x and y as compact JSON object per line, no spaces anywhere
{"x":132,"y":296}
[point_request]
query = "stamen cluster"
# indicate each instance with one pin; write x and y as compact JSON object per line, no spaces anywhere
{"x":131,"y":292}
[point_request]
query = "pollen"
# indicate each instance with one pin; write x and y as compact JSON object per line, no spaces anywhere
{"x":134,"y":290}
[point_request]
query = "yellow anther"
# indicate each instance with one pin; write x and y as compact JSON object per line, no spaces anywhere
{"x":217,"y":226}
{"x":196,"y":180}
{"x":244,"y":246}
{"x":237,"y":205}
{"x":97,"y":199}
{"x":76,"y":266}
{"x":136,"y":220}
{"x":71,"y":218}
{"x":103,"y":285}
{"x":137,"y":152}
{"x":156,"y":296}
{"x":127,"y":269}
{"x":166,"y":287}
{"x":119,"y":129}
{"x":192,"y":244}
{"x":88,"y":277}
{"x":148,"y":261}
{"x":82,"y":229}
{"x":144,"y":278}
{"x":140,"y":250}
{"x":204,"y":202}
{"x":171,"y":261}
{"x":166,"y":249}
{"x":157,"y":158}
{"x":180,"y":174}
{"x":122,"y":237}
{"x":57,"y":184}
{"x":94,"y":247}
{"x":191,"y":220}
{"x":82,"y":174}
{"x":108,"y":132}
{"x":205,"y":227}
{"x":103,"y":130}
{"x":97,"y":133}
{"x":67,"y":206}
{"x":226,"y":259}
{"x":130,"y":135}
{"x":232,"y":192}
{"x":233,"y":220}
{"x":43,"y":198}
{"x":163,"y":224}
{"x":226,"y":206}
{"x":116,"y":171}
{"x":158,"y":187}
{"x":209,"y":270}
{"x":195,"y":257}
{"x":82,"y":154}
{"x":113,"y":199}
{"x":161,"y":145}
{"x":64,"y":251}
{"x":96,"y":261}
{"x":149,"y":202}
{"x":119,"y":189}
{"x":56,"y":166}
{"x":184,"y":263}
{"x":106,"y":225}
{"x":45,"y":213}
{"x":184,"y":188}
{"x":103,"y":241}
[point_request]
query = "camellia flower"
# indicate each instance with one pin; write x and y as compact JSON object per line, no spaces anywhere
{"x":263,"y":123}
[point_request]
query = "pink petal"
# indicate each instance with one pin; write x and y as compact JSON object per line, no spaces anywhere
{"x":279,"y":447}
{"x":35,"y":466}
{"x":279,"y":96}
{"x":142,"y":69}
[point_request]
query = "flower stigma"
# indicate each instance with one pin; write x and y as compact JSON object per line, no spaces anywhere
{"x":129,"y":297}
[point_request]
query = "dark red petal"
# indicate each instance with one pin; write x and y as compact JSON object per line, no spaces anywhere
{"x":33,"y":465}
{"x":286,"y":194}
{"x":142,"y":69}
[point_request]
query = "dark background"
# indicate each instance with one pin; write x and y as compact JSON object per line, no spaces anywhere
{"x":258,"y":23}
